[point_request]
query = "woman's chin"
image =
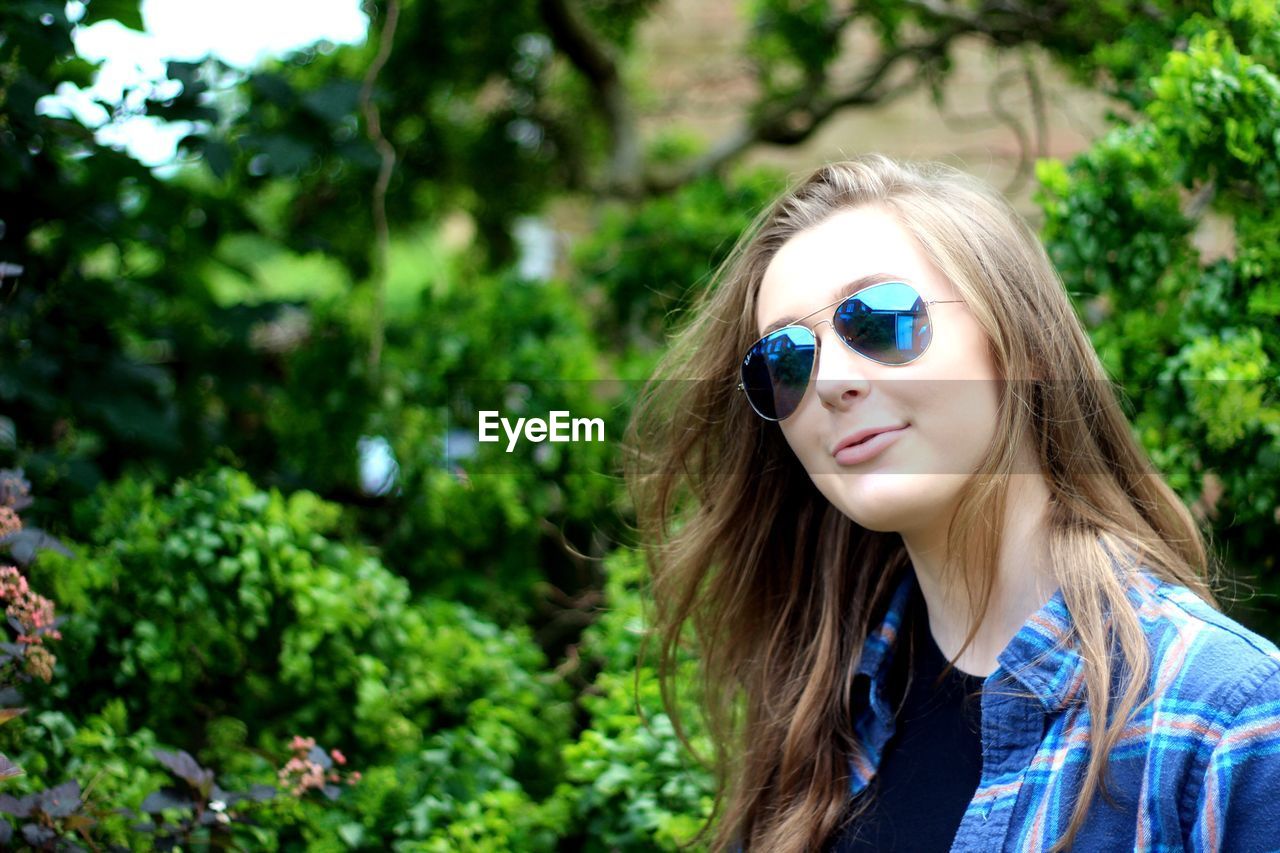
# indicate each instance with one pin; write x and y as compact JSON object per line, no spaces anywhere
{"x":889,"y":503}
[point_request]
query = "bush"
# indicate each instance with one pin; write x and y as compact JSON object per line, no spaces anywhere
{"x":210,"y":610}
{"x":1192,"y":339}
{"x":648,"y":261}
{"x":632,"y":784}
{"x":483,"y":526}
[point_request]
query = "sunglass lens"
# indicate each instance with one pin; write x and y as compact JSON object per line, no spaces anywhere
{"x":888,"y":323}
{"x":776,"y":371}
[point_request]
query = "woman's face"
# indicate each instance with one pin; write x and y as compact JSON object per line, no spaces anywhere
{"x":935,"y":417}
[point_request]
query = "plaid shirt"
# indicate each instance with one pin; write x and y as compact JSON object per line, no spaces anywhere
{"x":1197,"y":769}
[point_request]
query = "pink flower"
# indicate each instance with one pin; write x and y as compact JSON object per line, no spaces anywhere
{"x":302,"y":744}
{"x":33,"y":613}
{"x":301,"y":774}
{"x":9,"y":521}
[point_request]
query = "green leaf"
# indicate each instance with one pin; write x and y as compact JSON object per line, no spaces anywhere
{"x":127,"y":12}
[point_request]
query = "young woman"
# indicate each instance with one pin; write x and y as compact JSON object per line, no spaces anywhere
{"x":940,"y":598}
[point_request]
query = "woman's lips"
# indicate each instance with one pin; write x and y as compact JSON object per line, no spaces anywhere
{"x":864,"y":451}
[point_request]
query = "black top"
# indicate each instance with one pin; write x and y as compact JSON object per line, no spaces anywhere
{"x":931,"y":765}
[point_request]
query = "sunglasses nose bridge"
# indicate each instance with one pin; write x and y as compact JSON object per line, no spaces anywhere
{"x":836,"y":332}
{"x":839,"y":367}
{"x":830,"y":322}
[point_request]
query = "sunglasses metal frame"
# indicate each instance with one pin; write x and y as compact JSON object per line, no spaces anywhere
{"x":818,"y":344}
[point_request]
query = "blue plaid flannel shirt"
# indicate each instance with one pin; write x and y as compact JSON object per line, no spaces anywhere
{"x":1197,"y":769}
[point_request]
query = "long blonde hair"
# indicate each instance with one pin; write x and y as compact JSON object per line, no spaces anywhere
{"x":780,"y":588}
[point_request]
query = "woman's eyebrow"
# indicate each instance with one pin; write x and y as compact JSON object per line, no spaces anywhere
{"x":836,"y":295}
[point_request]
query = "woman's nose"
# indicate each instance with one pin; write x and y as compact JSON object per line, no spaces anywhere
{"x":842,"y":373}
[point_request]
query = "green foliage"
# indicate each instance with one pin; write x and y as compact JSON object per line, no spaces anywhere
{"x":648,"y":261}
{"x":1226,"y":378}
{"x":1119,"y":187}
{"x":1214,"y":106}
{"x":114,"y":351}
{"x":214,"y":611}
{"x":129,"y":805}
{"x":487,"y":528}
{"x":52,"y":748}
{"x":127,"y":12}
{"x":632,"y":784}
{"x":115,"y":764}
{"x":229,"y":602}
{"x":457,"y":102}
{"x":793,"y":43}
{"x":1192,"y":339}
{"x":80,"y":202}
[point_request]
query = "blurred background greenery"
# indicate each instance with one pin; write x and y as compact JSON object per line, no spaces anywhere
{"x":235,"y":383}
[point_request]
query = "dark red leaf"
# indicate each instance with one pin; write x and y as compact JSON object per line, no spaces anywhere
{"x":166,"y":798}
{"x":61,"y":800}
{"x":8,"y":769}
{"x":182,"y":765}
{"x":36,"y":835}
{"x":319,"y":756}
{"x":16,"y":807}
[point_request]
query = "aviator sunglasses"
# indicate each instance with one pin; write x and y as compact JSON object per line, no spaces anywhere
{"x":887,"y":323}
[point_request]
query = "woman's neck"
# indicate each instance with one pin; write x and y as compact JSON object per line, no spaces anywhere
{"x":1024,"y":579}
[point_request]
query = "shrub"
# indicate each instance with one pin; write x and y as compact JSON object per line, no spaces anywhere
{"x":649,"y":260}
{"x":212,"y":609}
{"x":1192,"y":338}
{"x":489,"y":528}
{"x":631,"y":784}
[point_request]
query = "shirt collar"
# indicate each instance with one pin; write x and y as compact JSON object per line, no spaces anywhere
{"x":1043,"y":656}
{"x":877,"y":651}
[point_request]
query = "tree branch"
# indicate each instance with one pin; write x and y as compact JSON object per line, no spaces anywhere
{"x":592,"y":56}
{"x":796,"y":120}
{"x":387,"y":162}
{"x":1026,"y":159}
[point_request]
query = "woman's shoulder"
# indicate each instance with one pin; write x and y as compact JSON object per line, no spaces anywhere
{"x":1217,"y":703}
{"x":1201,"y":654}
